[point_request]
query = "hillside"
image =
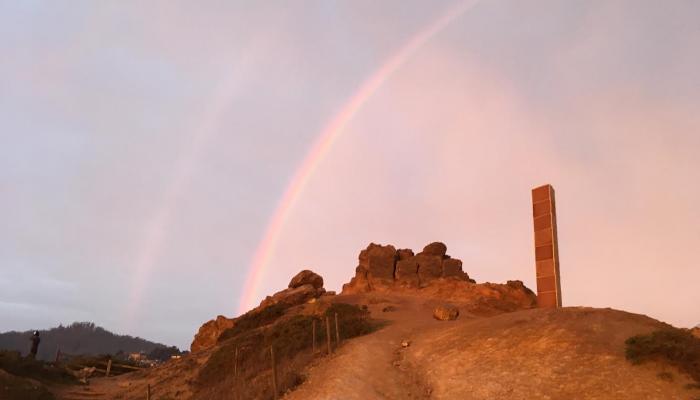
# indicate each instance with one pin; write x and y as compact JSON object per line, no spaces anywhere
{"x":572,"y":353}
{"x":499,"y":347}
{"x":76,"y":338}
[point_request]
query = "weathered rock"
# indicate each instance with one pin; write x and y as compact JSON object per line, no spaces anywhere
{"x":404,"y":254}
{"x":306,"y":277}
{"x":407,"y":272}
{"x":435,"y":249}
{"x":452,"y":267}
{"x":209,"y":333}
{"x":358,"y":283}
{"x":446,"y":313}
{"x":695,"y":332}
{"x":293,"y":297}
{"x":383,"y":267}
{"x":429,"y":267}
{"x":304,"y":287}
{"x":379,"y":262}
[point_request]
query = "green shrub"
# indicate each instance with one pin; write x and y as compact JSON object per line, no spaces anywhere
{"x":673,"y":346}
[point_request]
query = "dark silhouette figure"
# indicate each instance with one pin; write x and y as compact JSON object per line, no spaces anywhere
{"x":35,"y":344}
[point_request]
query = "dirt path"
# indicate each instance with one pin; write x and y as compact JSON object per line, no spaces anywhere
{"x":169,"y":381}
{"x":375,"y":366}
{"x":530,"y":354}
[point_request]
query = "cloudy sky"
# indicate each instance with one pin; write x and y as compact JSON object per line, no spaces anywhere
{"x":145,"y":149}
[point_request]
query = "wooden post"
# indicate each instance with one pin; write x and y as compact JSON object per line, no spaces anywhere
{"x":274,"y":371}
{"x":109,"y":367}
{"x":58,"y":355}
{"x":235,"y":364}
{"x":148,"y":392}
{"x":328,"y":334}
{"x":337,"y":331}
{"x":313,"y":339}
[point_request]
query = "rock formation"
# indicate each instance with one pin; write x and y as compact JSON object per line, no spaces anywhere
{"x":209,"y":333}
{"x":306,"y":277}
{"x":695,"y":331}
{"x":304,"y":286}
{"x":433,"y":273}
{"x":384,"y":267}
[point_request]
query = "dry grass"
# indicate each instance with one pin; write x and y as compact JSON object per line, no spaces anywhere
{"x":15,"y":364}
{"x":291,"y":339}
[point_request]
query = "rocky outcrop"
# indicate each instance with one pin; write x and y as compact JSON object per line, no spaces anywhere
{"x":446,"y":313}
{"x":209,"y":333}
{"x":293,"y":296}
{"x":434,"y":274}
{"x":304,"y":287}
{"x":383,"y":267}
{"x":306,"y":277}
{"x":696,"y":331}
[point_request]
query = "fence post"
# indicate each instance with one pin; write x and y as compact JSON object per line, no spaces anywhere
{"x":148,"y":392}
{"x":313,"y":334}
{"x":337,"y":331}
{"x":58,"y":354}
{"x":109,"y":367}
{"x":328,"y":334}
{"x":235,"y":365}
{"x":274,"y":371}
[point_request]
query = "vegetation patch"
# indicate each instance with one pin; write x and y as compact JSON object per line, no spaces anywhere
{"x":673,"y":346}
{"x":15,"y":364}
{"x":254,"y":320}
{"x":16,"y":388}
{"x":292,"y":341}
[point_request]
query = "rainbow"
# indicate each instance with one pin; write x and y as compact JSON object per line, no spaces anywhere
{"x":156,"y":228}
{"x":324,"y":142}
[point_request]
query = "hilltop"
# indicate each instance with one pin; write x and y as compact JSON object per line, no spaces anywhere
{"x":78,"y":338}
{"x":397,"y":343}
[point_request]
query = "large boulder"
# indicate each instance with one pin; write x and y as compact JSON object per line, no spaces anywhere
{"x":435,"y":249}
{"x":407,"y":272}
{"x":379,"y":263}
{"x":452,"y":267}
{"x":293,"y":296}
{"x":446,"y":313}
{"x":404,"y":254}
{"x":306,"y":277}
{"x":429,"y":267}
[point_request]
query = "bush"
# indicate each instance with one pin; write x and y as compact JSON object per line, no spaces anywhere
{"x":673,"y":346}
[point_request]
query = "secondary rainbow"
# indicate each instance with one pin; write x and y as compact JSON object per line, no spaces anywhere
{"x":325,"y":140}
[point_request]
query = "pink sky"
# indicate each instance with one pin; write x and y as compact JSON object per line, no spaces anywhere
{"x":144,"y":150}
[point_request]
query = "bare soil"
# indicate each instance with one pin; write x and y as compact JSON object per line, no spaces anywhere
{"x":571,"y":353}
